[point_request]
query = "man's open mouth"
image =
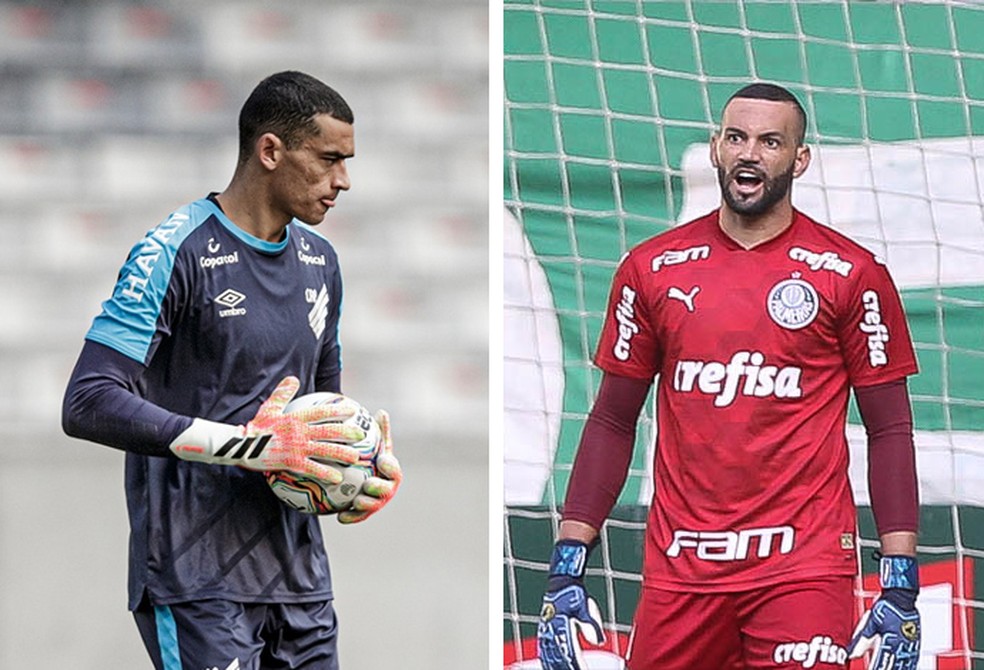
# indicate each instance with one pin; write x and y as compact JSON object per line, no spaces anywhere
{"x":748,"y":181}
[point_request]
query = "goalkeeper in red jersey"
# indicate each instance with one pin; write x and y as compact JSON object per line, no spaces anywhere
{"x":756,"y":322}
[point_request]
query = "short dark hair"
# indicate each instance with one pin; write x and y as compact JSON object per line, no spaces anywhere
{"x":766,"y":91}
{"x":285,"y":104}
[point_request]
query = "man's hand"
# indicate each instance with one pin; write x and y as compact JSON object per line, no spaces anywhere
{"x":301,"y":441}
{"x":567,"y":609}
{"x":891,"y":629}
{"x":379,"y":490}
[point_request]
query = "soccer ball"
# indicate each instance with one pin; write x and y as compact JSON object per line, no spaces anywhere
{"x":314,"y":497}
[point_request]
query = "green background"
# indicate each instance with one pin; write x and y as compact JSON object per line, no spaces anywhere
{"x":603,"y":98}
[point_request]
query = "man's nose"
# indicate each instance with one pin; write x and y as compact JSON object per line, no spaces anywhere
{"x":750,"y":152}
{"x":340,"y":179}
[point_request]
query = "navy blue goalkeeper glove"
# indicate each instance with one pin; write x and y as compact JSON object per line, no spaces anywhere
{"x":567,"y":609}
{"x":890,"y":629}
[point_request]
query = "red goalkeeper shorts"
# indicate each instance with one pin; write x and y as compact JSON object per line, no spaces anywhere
{"x":796,"y":625}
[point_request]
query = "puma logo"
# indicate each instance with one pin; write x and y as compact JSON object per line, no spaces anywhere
{"x":686,"y":298}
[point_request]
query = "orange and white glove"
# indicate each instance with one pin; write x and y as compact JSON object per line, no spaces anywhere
{"x":380,"y":488}
{"x":304,"y":442}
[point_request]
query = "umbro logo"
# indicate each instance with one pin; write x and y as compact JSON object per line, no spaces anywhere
{"x":686,"y":298}
{"x":230,"y":299}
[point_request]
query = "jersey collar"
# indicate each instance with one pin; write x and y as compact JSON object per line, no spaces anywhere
{"x":763,"y":246}
{"x":260,"y":245}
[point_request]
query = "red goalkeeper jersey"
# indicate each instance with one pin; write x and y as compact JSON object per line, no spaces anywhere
{"x":755,"y":351}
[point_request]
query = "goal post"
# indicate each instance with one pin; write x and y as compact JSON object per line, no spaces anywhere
{"x":609,"y":105}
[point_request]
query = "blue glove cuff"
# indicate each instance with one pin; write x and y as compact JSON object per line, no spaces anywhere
{"x":899,"y":572}
{"x":569,"y":559}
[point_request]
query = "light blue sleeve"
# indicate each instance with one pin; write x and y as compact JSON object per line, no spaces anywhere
{"x":128,"y":321}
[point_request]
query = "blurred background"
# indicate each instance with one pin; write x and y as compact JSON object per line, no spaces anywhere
{"x":112,"y":114}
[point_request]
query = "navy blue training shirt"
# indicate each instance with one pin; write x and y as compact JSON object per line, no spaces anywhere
{"x":204,"y":321}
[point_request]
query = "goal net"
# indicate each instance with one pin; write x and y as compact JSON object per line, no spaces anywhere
{"x":609,"y":105}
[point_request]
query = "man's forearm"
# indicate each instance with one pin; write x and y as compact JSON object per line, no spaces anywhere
{"x":100,"y":406}
{"x":605,"y":450}
{"x":892,"y":481}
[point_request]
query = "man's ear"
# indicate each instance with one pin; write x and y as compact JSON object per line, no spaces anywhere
{"x":802,"y":162}
{"x":269,"y":150}
{"x":714,"y":143}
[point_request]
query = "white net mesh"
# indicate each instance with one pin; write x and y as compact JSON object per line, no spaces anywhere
{"x":608,"y":109}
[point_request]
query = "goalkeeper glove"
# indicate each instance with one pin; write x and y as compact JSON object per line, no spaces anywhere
{"x":377,"y":490}
{"x":890,"y":629}
{"x":300,"y":441}
{"x":567,"y":609}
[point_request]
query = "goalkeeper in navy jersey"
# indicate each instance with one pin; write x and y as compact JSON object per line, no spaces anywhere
{"x":220,"y":315}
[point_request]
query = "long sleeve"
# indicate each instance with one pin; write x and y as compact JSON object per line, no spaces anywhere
{"x":100,"y":405}
{"x":892,"y":481}
{"x":605,"y":451}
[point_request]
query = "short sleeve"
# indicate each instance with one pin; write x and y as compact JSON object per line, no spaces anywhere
{"x":149,"y":292}
{"x":874,"y":333}
{"x":628,"y":345}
